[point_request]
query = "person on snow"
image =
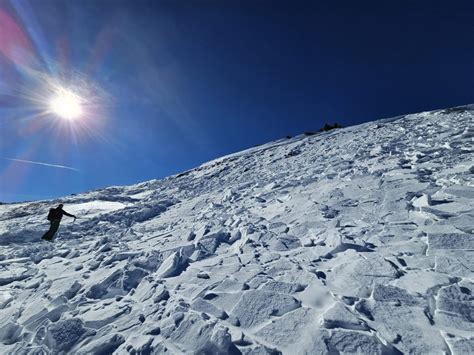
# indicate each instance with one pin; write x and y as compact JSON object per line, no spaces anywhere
{"x":54,"y":217}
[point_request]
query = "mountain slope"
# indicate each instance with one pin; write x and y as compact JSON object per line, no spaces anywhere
{"x":358,"y":240}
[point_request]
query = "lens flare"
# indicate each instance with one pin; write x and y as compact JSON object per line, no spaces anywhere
{"x":66,"y":104}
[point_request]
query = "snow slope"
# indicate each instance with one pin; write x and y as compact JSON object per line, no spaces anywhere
{"x":357,"y":240}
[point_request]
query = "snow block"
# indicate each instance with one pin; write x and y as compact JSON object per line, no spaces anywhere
{"x":293,"y":328}
{"x":387,"y":293}
{"x":10,"y":333}
{"x":256,"y":306}
{"x":132,"y":278}
{"x":284,"y":242}
{"x":105,"y":345}
{"x":282,"y":287}
{"x":352,"y":342}
{"x":457,"y":241}
{"x":338,"y":316}
{"x":64,"y":334}
{"x":201,"y":305}
{"x":173,"y":265}
{"x":458,"y":300}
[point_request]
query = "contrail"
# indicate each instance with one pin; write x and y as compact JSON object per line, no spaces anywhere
{"x":40,"y":163}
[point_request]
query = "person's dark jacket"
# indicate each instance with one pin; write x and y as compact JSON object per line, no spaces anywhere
{"x":59,"y":213}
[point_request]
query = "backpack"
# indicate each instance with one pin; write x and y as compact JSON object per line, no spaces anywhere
{"x":51,"y":214}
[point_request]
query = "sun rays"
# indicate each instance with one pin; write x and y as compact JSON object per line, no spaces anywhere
{"x":66,"y":104}
{"x":72,"y":108}
{"x":53,"y":106}
{"x":42,"y":89}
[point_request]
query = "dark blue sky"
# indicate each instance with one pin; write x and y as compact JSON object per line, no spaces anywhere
{"x":178,"y":83}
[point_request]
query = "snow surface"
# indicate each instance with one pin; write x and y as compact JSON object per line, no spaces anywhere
{"x":358,"y":240}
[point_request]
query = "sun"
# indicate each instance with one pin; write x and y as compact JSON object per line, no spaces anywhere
{"x":66,"y":104}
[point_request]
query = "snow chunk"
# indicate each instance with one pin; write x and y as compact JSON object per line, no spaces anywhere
{"x":352,"y":342}
{"x":458,"y":300}
{"x":195,"y":335}
{"x":173,"y":265}
{"x":256,"y":306}
{"x":295,"y":327}
{"x":338,"y":316}
{"x":62,"y":335}
{"x":457,"y":241}
{"x":201,"y":305}
{"x":284,"y":242}
{"x":10,"y":333}
{"x":358,"y":277}
{"x":384,"y":293}
{"x":282,"y":287}
{"x":105,"y":345}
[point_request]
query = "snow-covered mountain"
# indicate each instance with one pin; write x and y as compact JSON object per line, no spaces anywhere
{"x":357,"y":240}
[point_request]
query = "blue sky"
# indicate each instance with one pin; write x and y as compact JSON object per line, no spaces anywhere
{"x":173,"y":84}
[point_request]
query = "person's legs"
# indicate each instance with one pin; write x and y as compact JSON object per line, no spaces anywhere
{"x":52,"y":230}
{"x":48,"y":233}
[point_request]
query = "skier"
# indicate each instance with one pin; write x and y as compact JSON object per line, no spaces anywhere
{"x":54,"y":218}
